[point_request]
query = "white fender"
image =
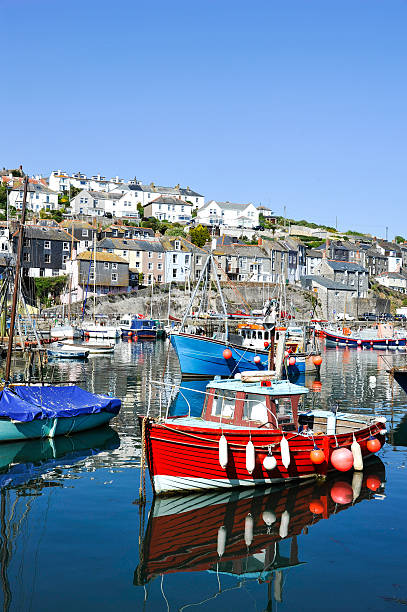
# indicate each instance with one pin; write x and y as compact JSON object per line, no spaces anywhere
{"x":223,"y":451}
{"x":221,"y":540}
{"x":268,"y":517}
{"x":285,"y":521}
{"x":278,"y":586}
{"x":285,"y":452}
{"x":357,"y":455}
{"x":250,"y":457}
{"x":357,"y":480}
{"x":269,"y":462}
{"x":248,"y":529}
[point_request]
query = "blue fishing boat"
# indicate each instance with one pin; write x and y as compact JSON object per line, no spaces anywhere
{"x":136,"y":326}
{"x":38,"y":411}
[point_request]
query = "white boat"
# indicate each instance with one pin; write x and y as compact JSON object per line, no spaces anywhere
{"x":66,"y":351}
{"x":100,"y":331}
{"x":65,"y":332}
{"x":93,"y":349}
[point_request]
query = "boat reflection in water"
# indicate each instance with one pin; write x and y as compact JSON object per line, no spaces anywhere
{"x":251,"y":535}
{"x":21,"y":463}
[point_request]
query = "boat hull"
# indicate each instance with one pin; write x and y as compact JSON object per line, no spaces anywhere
{"x":374,"y":343}
{"x":100,"y":332}
{"x":49,"y":428}
{"x":400,"y":376}
{"x":182,"y":458}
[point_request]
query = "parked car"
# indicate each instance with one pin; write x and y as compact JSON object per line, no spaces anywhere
{"x":385,"y":316}
{"x":344,"y":316}
{"x":400,"y":317}
{"x":368,"y":316}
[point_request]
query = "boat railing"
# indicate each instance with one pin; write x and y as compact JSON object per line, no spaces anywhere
{"x":178,"y":389}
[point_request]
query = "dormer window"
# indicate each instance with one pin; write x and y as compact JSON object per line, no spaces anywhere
{"x":177,"y":245}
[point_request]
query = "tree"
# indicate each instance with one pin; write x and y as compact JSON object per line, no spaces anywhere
{"x":73,"y":191}
{"x":151,"y":222}
{"x":48,"y":288}
{"x":199,"y":235}
{"x":399,"y":239}
{"x":58,"y":215}
{"x":175,"y":230}
{"x":140,"y":209}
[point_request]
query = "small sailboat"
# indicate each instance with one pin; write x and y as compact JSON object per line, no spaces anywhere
{"x":253,"y":433}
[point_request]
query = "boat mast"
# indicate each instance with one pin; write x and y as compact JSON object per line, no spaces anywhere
{"x":16,"y":282}
{"x":94,"y":278}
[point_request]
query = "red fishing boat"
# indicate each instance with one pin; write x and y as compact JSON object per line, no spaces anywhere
{"x":252,"y":432}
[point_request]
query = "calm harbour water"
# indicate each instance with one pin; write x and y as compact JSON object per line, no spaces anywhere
{"x":72,"y":538}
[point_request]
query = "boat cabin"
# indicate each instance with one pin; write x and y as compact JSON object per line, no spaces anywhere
{"x":272,"y":404}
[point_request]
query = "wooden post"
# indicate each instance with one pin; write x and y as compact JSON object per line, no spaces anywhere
{"x":16,"y":282}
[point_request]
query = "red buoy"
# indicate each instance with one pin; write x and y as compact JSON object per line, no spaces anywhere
{"x":373,"y":445}
{"x":130,"y":333}
{"x":317,"y":456}
{"x":317,"y":386}
{"x":266,"y":344}
{"x":286,"y":353}
{"x":373,"y":483}
{"x":342,"y":492}
{"x":292,"y":361}
{"x":227,"y":354}
{"x":316,"y":507}
{"x":257,"y":359}
{"x":342,"y":459}
{"x":317,"y":360}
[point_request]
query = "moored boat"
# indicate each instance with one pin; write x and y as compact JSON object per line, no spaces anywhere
{"x":252,"y":433}
{"x":62,"y":350}
{"x":40,"y":411}
{"x":139,"y":327}
{"x":382,"y":337}
{"x":65,"y":332}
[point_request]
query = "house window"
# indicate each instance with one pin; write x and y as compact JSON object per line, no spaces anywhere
{"x":86,"y":244}
{"x":106,"y":265}
{"x":47,"y":244}
{"x":150,"y":254}
{"x":84,"y":232}
{"x":159,"y":266}
{"x":114,"y":266}
{"x":160,"y":255}
{"x":174,"y":259}
{"x":174,"y":273}
{"x":64,"y":258}
{"x":91,"y":275}
{"x":47,"y":258}
{"x":186,"y":259}
{"x":124,"y":253}
{"x":42,"y":272}
{"x":159,"y":278}
{"x":55,"y":272}
{"x":150,"y":266}
{"x":26,"y":242}
{"x":199,"y":259}
{"x":65,"y":246}
{"x":137,"y":253}
{"x":177,"y":245}
{"x":26,"y":257}
{"x":114,"y":277}
{"x":137,"y":264}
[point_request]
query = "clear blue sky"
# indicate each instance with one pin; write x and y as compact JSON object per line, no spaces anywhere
{"x":296,"y":103}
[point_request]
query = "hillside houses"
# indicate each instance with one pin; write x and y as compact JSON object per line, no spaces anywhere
{"x":228,"y":214}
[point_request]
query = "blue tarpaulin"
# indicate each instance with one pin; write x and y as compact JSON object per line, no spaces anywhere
{"x":26,"y":403}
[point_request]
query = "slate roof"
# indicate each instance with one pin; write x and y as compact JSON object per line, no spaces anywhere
{"x":167,"y":200}
{"x":130,"y":244}
{"x":314,"y":253}
{"x":342,"y":266}
{"x":324,"y":282}
{"x":46,"y":233}
{"x":35,"y":188}
{"x":228,"y":205}
{"x":168,"y":243}
{"x":176,"y":191}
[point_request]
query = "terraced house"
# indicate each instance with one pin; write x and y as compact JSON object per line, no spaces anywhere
{"x":109,"y":274}
{"x":46,"y":250}
{"x":144,"y":257}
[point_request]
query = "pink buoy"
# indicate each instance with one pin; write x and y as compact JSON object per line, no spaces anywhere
{"x":342,"y":493}
{"x":342,"y":459}
{"x":257,"y":359}
{"x":292,"y":361}
{"x":227,"y":354}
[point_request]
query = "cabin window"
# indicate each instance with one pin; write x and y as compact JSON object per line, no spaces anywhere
{"x":223,"y":405}
{"x":284,"y":406}
{"x":266,"y":335}
{"x":255,"y":408}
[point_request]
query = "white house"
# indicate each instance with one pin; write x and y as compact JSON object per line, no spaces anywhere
{"x":97,"y":203}
{"x":169,"y":208}
{"x":228,"y":214}
{"x":393,"y":280}
{"x":148,"y":193}
{"x":178,"y":259}
{"x":393,"y":253}
{"x":38,"y":197}
{"x":62,"y":181}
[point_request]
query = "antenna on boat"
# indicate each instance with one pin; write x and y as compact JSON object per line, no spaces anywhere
{"x":16,"y":282}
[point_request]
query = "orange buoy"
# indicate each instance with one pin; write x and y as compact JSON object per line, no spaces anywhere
{"x":317,"y":386}
{"x":291,"y":361}
{"x":316,"y":507}
{"x":342,"y":459}
{"x":342,"y":492}
{"x":373,"y":483}
{"x":257,"y":359}
{"x":317,"y":360}
{"x":373,"y":445}
{"x":227,"y":354}
{"x":317,"y":456}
